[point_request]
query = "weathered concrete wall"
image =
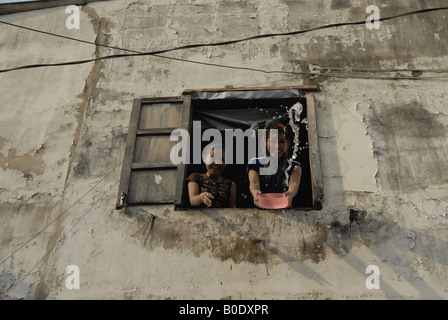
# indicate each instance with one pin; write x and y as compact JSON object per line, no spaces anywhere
{"x":383,"y":147}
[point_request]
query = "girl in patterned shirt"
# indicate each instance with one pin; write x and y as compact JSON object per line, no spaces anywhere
{"x":210,"y":189}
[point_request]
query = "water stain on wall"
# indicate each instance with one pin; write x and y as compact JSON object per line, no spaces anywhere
{"x":27,"y":163}
{"x":245,"y":238}
{"x":411,"y":141}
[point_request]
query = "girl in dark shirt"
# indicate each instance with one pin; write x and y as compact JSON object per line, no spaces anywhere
{"x":277,"y":182}
{"x":210,"y":189}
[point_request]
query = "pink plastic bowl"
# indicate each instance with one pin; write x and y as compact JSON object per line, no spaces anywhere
{"x":273,"y":201}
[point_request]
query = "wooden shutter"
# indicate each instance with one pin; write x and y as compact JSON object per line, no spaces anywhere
{"x":148,"y":176}
{"x":313,"y":143}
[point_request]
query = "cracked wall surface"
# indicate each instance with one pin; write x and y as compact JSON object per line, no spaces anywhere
{"x":382,"y":134}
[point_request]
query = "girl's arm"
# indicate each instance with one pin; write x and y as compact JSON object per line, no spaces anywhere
{"x":294,"y":182}
{"x":254,"y":185}
{"x":197,"y":198}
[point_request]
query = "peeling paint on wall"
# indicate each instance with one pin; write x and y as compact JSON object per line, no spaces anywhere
{"x":382,"y":142}
{"x":27,"y":164}
{"x":90,"y":92}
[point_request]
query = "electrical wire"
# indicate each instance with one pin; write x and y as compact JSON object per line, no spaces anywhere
{"x":49,"y":250}
{"x":60,"y":215}
{"x":145,"y":54}
{"x":191,"y":46}
{"x":159,"y":53}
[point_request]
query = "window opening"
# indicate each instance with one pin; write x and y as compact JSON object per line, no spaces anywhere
{"x":148,"y":175}
{"x":243,"y":114}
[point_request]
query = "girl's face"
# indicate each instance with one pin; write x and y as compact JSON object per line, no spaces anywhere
{"x":278,"y":150}
{"x":215,"y":169}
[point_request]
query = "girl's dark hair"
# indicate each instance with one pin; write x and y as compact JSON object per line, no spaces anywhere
{"x":281,"y":125}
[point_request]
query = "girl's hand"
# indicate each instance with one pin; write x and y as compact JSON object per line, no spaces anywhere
{"x":206,"y":198}
{"x":288,"y":195}
{"x":255,"y":194}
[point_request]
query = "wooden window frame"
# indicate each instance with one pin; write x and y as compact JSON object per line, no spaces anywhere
{"x":314,"y":154}
{"x":180,"y":189}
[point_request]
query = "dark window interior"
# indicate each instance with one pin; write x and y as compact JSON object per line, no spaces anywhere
{"x":242,"y":113}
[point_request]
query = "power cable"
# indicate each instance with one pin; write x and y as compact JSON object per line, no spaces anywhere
{"x":159,"y":52}
{"x":191,"y":46}
{"x":60,"y":215}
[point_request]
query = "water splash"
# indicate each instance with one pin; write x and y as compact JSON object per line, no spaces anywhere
{"x":294,"y":118}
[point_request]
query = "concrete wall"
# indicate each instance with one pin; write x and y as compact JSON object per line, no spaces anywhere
{"x":383,"y":147}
